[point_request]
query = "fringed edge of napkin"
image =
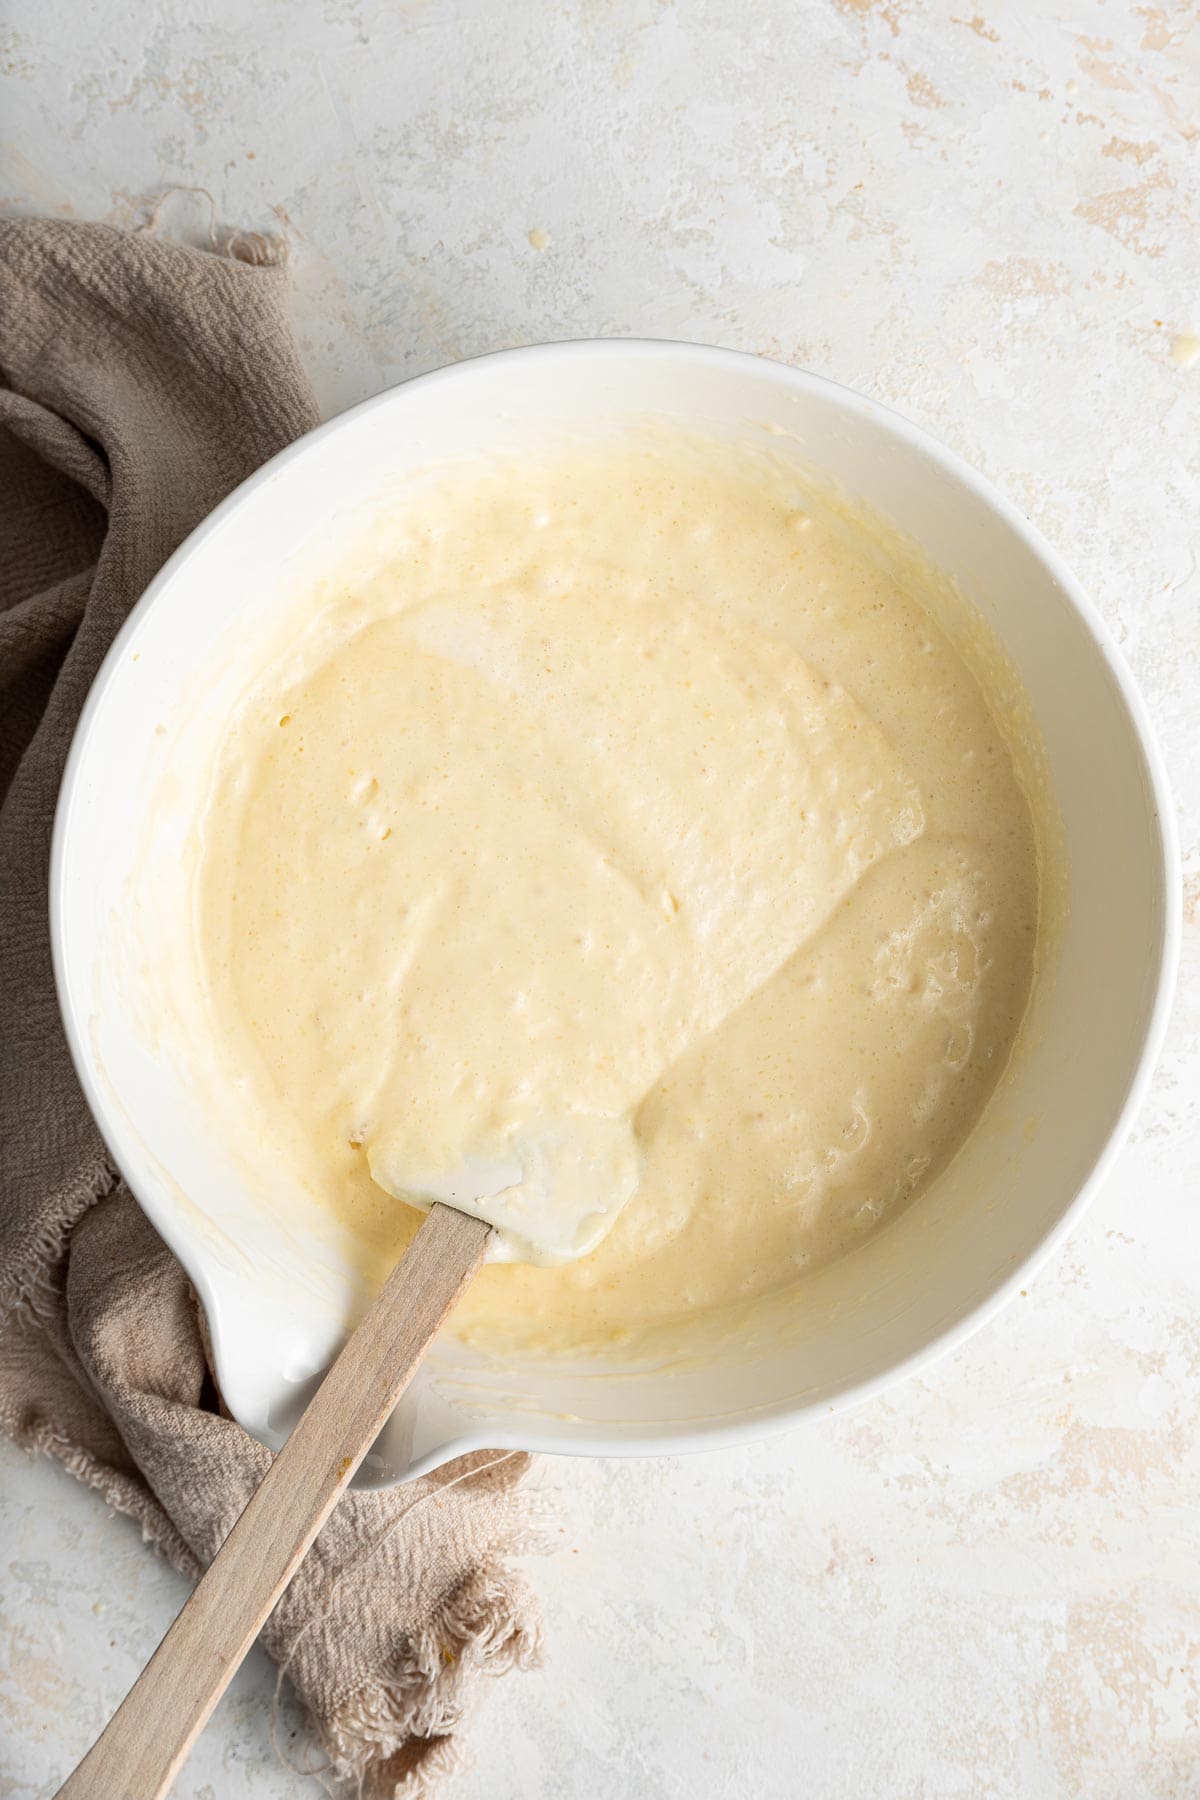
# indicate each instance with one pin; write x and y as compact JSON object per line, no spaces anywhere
{"x":28,"y":1289}
{"x":479,"y":1629}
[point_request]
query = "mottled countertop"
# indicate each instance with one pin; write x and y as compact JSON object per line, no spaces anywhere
{"x":986,"y":1583}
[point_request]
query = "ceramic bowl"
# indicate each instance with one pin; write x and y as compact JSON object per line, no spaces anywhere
{"x":278,"y":1306}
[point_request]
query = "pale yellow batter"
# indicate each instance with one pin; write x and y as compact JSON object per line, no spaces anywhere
{"x":622,"y":793}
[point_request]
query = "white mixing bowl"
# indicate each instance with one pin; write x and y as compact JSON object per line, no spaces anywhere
{"x":278,"y":1306}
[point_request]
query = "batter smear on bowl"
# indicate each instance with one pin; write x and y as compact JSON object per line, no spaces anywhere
{"x":619,"y":810}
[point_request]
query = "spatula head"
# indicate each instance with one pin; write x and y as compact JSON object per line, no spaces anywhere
{"x":553,"y":1189}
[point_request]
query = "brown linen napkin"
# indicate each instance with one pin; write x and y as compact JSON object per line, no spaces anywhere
{"x":141,"y":381}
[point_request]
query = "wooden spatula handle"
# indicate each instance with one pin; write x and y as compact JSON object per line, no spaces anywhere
{"x":144,"y":1745}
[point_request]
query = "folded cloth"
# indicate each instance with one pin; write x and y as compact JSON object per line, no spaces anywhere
{"x":141,"y":381}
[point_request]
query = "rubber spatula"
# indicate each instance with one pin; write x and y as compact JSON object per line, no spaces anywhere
{"x":550,"y":1193}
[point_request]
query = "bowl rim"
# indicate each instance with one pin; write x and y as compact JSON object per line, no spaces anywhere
{"x":777,"y":1416}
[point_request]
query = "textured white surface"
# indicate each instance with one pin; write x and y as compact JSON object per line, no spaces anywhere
{"x":987,"y":1584}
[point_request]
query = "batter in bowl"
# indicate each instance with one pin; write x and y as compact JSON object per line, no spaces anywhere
{"x":620,"y":799}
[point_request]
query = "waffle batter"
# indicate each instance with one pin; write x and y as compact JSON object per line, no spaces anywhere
{"x":622,"y":803}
